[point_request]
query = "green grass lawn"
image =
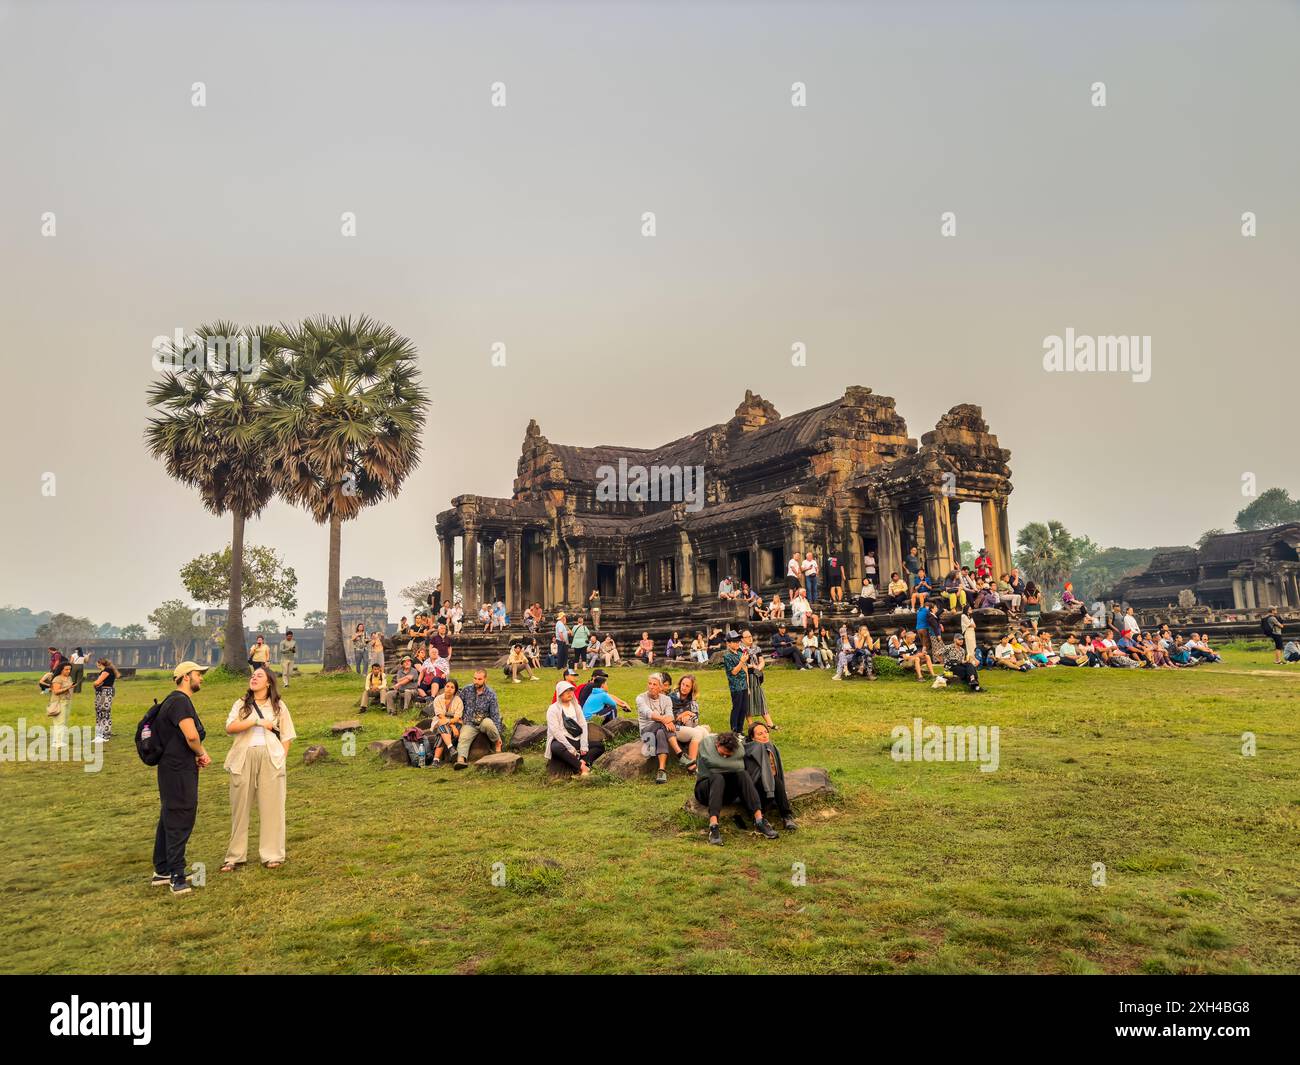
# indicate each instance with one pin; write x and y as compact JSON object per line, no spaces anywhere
{"x":918,"y":867}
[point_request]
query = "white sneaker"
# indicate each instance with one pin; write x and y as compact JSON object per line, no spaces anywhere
{"x":836,"y":677}
{"x":517,"y":679}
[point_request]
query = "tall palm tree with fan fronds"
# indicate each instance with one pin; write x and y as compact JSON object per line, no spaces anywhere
{"x":346,"y":412}
{"x":206,"y":433}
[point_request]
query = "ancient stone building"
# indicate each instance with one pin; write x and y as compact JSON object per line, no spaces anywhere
{"x":838,"y":479}
{"x":363,"y":600}
{"x":1239,"y":571}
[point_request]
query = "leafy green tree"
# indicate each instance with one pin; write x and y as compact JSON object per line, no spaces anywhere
{"x":207,"y":436}
{"x":64,"y":630}
{"x":417,"y":594}
{"x":346,"y":414}
{"x":1273,"y":507}
{"x":108,"y":631}
{"x":180,"y":624}
{"x":1047,"y":554}
{"x":314,"y":619}
{"x":268,"y":626}
{"x":267,"y":581}
{"x":19,"y":623}
{"x":1208,"y":535}
{"x":133,"y":632}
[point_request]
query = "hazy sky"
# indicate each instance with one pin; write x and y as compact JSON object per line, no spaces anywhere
{"x":522,"y":225}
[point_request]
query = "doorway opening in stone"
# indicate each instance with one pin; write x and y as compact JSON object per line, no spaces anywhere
{"x":709,"y":568}
{"x":607,"y":581}
{"x":740,"y":569}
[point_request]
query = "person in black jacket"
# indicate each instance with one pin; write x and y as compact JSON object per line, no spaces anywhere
{"x":181,"y":735}
{"x":783,"y":645}
{"x":763,"y":764}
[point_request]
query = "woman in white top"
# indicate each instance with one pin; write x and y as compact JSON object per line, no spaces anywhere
{"x":799,"y":609}
{"x":566,"y":732}
{"x":257,"y":762}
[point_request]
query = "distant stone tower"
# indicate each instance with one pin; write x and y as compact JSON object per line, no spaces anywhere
{"x":363,"y":600}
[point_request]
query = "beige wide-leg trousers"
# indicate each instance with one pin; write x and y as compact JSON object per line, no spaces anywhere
{"x":262,"y":783}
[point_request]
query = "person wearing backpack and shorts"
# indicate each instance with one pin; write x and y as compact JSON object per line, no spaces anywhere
{"x":177,"y":735}
{"x":1272,"y":626}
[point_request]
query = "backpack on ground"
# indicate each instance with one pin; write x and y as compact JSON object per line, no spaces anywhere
{"x":148,"y":744}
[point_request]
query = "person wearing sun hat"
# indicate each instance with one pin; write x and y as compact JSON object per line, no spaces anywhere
{"x":180,"y":735}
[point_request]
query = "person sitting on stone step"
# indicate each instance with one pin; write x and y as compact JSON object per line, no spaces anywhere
{"x":686,"y":716}
{"x":654,"y":718}
{"x":721,"y":778}
{"x":763,"y":764}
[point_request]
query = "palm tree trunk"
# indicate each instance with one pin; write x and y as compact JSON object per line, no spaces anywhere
{"x":335,"y":652}
{"x":234,"y":655}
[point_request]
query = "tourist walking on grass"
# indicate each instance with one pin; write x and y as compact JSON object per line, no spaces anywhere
{"x":288,"y":656}
{"x":78,"y":660}
{"x":1273,"y":628}
{"x":60,"y":706}
{"x":359,"y":647}
{"x":179,"y":734}
{"x":260,"y":655}
{"x":258,"y":768}
{"x":105,"y":684}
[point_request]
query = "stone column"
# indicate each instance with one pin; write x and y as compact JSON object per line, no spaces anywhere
{"x":448,"y":568}
{"x":938,"y":536}
{"x":1250,"y":593}
{"x":469,"y":573}
{"x":1238,"y":594}
{"x":889,"y":545}
{"x":578,"y":579}
{"x":514,"y":580}
{"x":1004,"y":536}
{"x":853,"y":561}
{"x":488,"y":569}
{"x":685,"y":568}
{"x":992,"y":535}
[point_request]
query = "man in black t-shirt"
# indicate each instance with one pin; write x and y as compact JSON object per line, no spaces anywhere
{"x":181,"y":735}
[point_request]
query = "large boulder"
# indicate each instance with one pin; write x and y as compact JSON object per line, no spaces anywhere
{"x":526,"y":734}
{"x":620,"y":729}
{"x":503,"y":763}
{"x":391,"y":752}
{"x":340,"y":727}
{"x":313,"y":754}
{"x":627,"y":762}
{"x":800,"y":785}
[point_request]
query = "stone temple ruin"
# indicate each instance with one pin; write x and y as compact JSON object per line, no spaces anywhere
{"x":839,"y":479}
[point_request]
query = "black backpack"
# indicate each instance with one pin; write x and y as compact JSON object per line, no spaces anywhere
{"x":148,"y":744}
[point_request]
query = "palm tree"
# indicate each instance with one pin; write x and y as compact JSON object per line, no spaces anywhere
{"x":206,"y":434}
{"x":1048,"y":554}
{"x":346,"y":413}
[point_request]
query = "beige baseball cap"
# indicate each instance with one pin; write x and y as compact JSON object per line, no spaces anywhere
{"x":188,"y":667}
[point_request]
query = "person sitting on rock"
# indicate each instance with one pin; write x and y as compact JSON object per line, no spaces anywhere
{"x":654,"y":718}
{"x":865,"y":600}
{"x":375,"y":692}
{"x":448,"y":716}
{"x":406,"y":687}
{"x":686,"y":716}
{"x":599,"y":703}
{"x":482,"y":713}
{"x":700,"y":649}
{"x":566,"y":732}
{"x":721,"y":778}
{"x":763,"y":764}
{"x":910,"y":656}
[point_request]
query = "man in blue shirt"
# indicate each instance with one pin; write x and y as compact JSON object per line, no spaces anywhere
{"x":601,"y":703}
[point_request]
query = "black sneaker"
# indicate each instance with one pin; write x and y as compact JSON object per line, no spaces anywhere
{"x":767,"y":830}
{"x":791,"y":825}
{"x":715,"y":835}
{"x":159,"y":879}
{"x":181,"y":887}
